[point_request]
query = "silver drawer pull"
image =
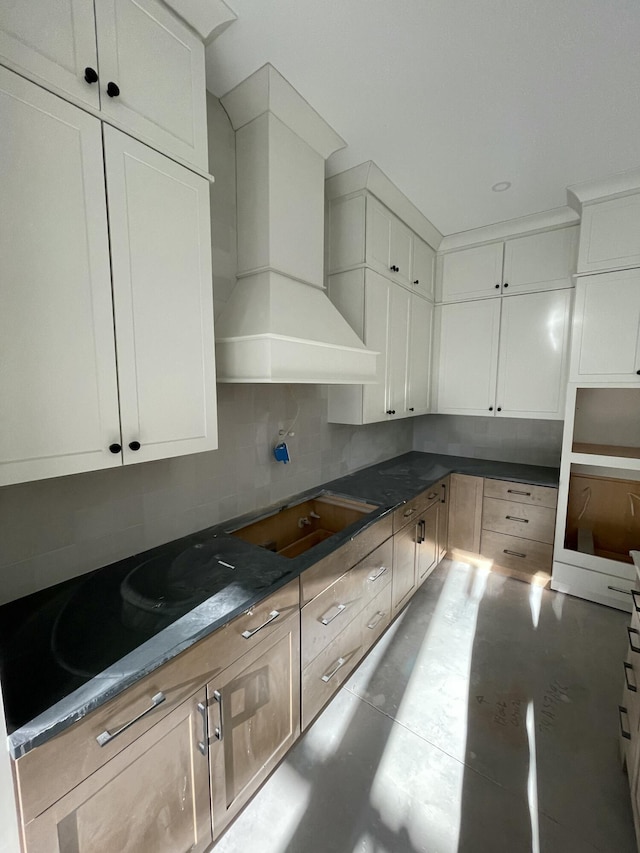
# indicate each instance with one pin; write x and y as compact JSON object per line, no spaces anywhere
{"x":377,"y":619}
{"x":515,"y":518}
{"x":409,"y":512}
{"x":378,"y":574}
{"x":621,"y":711}
{"x":516,"y":492}
{"x":514,"y":553}
{"x":631,"y":632}
{"x":273,"y":615}
{"x":329,"y":675}
{"x":630,"y":686}
{"x":106,"y":736}
{"x":619,"y":589}
{"x":329,"y":616}
{"x":203,"y":744}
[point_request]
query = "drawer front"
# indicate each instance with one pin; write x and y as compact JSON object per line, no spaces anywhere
{"x":512,"y":552}
{"x":328,"y":614}
{"x":527,"y":521}
{"x":318,"y":577}
{"x":376,"y":617}
{"x":48,"y":772}
{"x":410,"y":510}
{"x":594,"y":586}
{"x":521,"y":493}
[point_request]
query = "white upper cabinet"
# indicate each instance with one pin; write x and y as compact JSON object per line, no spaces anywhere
{"x":606,"y":328}
{"x":423,"y":268}
{"x":388,"y":243}
{"x":399,"y":302}
{"x":163,"y":299}
{"x":419,"y":356}
{"x":57,"y":357}
{"x":147,"y":76}
{"x":610,"y":235}
{"x":53,"y":43}
{"x":533,"y":355}
{"x":470,"y":273}
{"x":467,"y":345}
{"x":540,"y":261}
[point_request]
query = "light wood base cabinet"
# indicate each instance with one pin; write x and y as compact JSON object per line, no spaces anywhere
{"x":151,"y":798}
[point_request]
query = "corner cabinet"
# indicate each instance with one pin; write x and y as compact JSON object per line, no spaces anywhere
{"x":68,"y":407}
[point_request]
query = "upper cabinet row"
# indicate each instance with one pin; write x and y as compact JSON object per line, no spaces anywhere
{"x":535,"y":262}
{"x":131,"y":60}
{"x":363,"y":231}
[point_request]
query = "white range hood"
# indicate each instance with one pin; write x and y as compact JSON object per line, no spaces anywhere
{"x":278,"y":324}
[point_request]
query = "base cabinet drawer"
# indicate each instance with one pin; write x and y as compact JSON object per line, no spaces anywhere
{"x":518,"y":519}
{"x":515,"y":553}
{"x":612,"y":590}
{"x":150,"y":798}
{"x":505,"y":490}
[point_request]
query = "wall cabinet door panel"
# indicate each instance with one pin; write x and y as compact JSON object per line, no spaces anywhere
{"x":540,"y":261}
{"x":533,"y":356}
{"x":401,"y":251}
{"x":161,"y":257}
{"x":399,"y":300}
{"x":52,"y":43}
{"x":378,"y":236}
{"x":419,"y":356}
{"x":471,"y":273}
{"x":468,"y":356}
{"x":57,"y":356}
{"x":610,"y":235}
{"x":423,"y":268}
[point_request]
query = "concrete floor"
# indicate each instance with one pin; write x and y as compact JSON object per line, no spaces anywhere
{"x":485,"y":721}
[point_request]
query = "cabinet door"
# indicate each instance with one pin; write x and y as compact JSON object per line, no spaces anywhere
{"x":471,"y":273}
{"x":398,"y":335}
{"x":465,"y":512}
{"x":153,"y":797}
{"x":162,"y":284}
{"x":534,"y":340}
{"x":377,"y":327}
{"x":52,"y":43}
{"x":57,"y":358}
{"x":378,"y":236}
{"x":610,"y":234}
{"x":157,"y":63}
{"x":540,"y":261}
{"x":467,"y":356}
{"x":423,"y":268}
{"x":606,"y":328}
{"x":254,"y":713}
{"x":427,"y":556}
{"x":403,"y":582}
{"x":401,"y":251}
{"x":419,"y":356}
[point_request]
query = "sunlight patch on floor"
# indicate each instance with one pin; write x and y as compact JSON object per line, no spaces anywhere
{"x":532,"y":780}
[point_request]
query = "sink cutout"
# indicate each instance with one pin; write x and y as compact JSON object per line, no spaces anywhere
{"x":295,"y":529}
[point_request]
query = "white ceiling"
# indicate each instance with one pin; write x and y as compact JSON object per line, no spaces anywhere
{"x":449,"y":97}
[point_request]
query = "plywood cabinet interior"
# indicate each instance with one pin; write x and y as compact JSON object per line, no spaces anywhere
{"x":154,"y":60}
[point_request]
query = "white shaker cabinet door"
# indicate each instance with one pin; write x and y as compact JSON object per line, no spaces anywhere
{"x":419,"y":356}
{"x":398,"y":333}
{"x":606,"y":328}
{"x":534,"y":338}
{"x":468,"y":335}
{"x":610,"y":234}
{"x":377,"y":314}
{"x":157,"y":64}
{"x":163,"y":301}
{"x":401,"y":251}
{"x":378,"y":236}
{"x":540,"y":261}
{"x":52,"y":42}
{"x":422,"y":268}
{"x":57,"y":360}
{"x":471,"y":273}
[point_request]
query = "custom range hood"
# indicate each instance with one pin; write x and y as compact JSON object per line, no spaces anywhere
{"x":278,"y":324}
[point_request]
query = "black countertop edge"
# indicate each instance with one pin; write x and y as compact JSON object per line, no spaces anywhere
{"x":386,"y":484}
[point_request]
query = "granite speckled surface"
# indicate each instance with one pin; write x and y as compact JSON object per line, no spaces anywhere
{"x":227,"y":593}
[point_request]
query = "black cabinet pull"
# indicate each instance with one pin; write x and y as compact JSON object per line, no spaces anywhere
{"x":90,"y":75}
{"x":630,"y":686}
{"x":638,"y":372}
{"x":505,"y":284}
{"x":631,"y":632}
{"x":394,"y":268}
{"x":497,"y":287}
{"x":499,"y":408}
{"x":490,"y":408}
{"x":115,"y":448}
{"x":113,"y":90}
{"x":634,"y":593}
{"x":417,"y":281}
{"x":134,"y":445}
{"x":391,"y":411}
{"x":625,"y":734}
{"x":411,"y":408}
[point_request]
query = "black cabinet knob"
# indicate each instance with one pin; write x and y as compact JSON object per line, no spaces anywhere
{"x":417,"y":281}
{"x":490,"y":408}
{"x":90,"y":75}
{"x":506,"y":284}
{"x":638,"y":372}
{"x":497,"y":287}
{"x":499,"y":408}
{"x":113,"y":90}
{"x":411,"y":409}
{"x":391,"y":411}
{"x":115,"y":448}
{"x":134,"y":445}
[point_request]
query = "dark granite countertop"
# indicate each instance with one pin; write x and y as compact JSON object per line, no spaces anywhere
{"x":76,"y":645}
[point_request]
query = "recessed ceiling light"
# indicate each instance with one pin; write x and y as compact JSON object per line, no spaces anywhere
{"x":501,"y":186}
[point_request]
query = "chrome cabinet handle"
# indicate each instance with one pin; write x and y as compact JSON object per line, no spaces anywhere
{"x":329,"y":675}
{"x":107,"y":736}
{"x":621,"y":711}
{"x":634,"y":593}
{"x":631,"y":632}
{"x":273,"y":615}
{"x":329,"y":617}
{"x":515,"y":518}
{"x":378,"y":574}
{"x":630,"y":686}
{"x":218,"y":729}
{"x":517,"y":554}
{"x":204,"y":743}
{"x":409,"y":512}
{"x":516,"y":492}
{"x":378,"y":617}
